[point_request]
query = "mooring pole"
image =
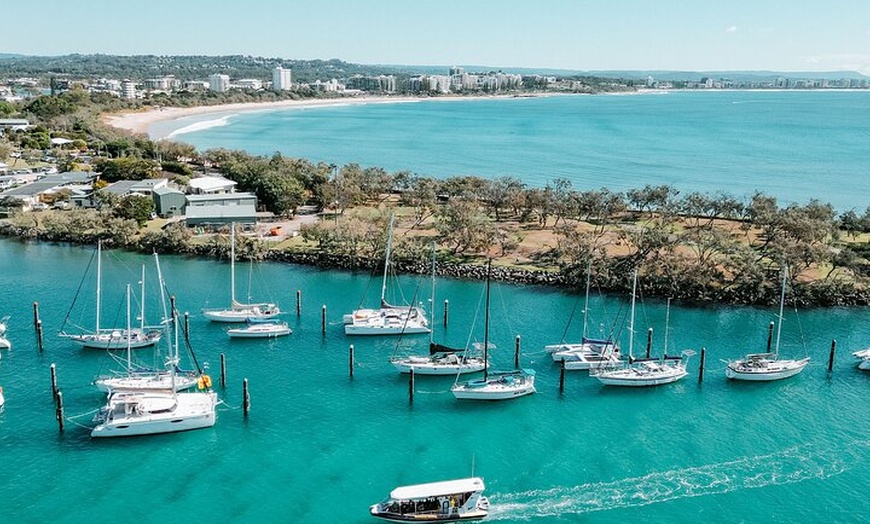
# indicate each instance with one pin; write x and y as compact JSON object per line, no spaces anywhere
{"x":35,"y":314}
{"x":648,"y":341}
{"x":54,"y":389}
{"x":58,"y":412}
{"x":831,"y":357}
{"x":517,"y":353}
{"x":562,"y":375}
{"x":223,"y":371}
{"x":246,"y":398}
{"x":323,"y":320}
{"x":39,"y":333}
{"x":411,"y":387}
{"x":446,"y":311}
{"x":701,"y":366}
{"x":298,"y":302}
{"x":350,"y":359}
{"x":769,"y":336}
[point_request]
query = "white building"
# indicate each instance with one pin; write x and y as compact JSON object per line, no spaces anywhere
{"x":219,"y":83}
{"x":128,"y":90}
{"x":281,"y":79}
{"x":211,"y":185}
{"x":250,"y":83}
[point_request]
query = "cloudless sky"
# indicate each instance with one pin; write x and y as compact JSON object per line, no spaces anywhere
{"x":794,"y":35}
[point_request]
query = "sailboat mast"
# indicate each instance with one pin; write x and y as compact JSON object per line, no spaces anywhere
{"x":232,"y":264}
{"x":667,"y":326}
{"x":387,"y":259}
{"x":129,"y":343}
{"x":631,"y":322}
{"x":781,"y":306}
{"x":142,"y":309}
{"x":486,"y":325}
{"x":99,"y":279}
{"x":432,"y":299}
{"x":586,"y":303}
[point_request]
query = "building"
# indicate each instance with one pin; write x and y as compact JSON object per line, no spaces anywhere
{"x":281,"y":79}
{"x":128,"y":89}
{"x":211,"y":185}
{"x":168,"y":202}
{"x":219,"y":83}
{"x":219,"y":209}
{"x":46,"y":190}
{"x":250,"y":83}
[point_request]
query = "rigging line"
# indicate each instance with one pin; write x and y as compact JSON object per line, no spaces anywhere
{"x":505,"y":310}
{"x":570,"y":319}
{"x":81,"y":283}
{"x":187,"y":344}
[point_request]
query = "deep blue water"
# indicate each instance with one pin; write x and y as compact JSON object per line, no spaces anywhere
{"x":793,"y":145}
{"x":321,"y":447}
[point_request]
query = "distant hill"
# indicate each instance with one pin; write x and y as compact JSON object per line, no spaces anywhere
{"x":4,"y":56}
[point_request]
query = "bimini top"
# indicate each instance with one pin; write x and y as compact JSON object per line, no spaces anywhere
{"x":437,"y":489}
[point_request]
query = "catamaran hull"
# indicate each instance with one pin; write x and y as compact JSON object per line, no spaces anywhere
{"x":168,"y":425}
{"x":785,"y":370}
{"x":171,"y":414}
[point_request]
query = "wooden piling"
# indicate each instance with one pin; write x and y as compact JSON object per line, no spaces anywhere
{"x":54,"y":389}
{"x":411,"y":387}
{"x":58,"y":412}
{"x":446,"y":311}
{"x":831,"y":357}
{"x":770,"y":336}
{"x":223,"y":371}
{"x":186,"y":326}
{"x":701,"y":366}
{"x":323,"y":320}
{"x":517,"y":353}
{"x":246,"y":398}
{"x":350,"y":359}
{"x":298,"y":302}
{"x":649,"y":341}
{"x":39,"y":333}
{"x":562,"y":375}
{"x":35,"y":314}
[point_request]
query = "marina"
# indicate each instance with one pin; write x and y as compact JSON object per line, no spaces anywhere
{"x":718,"y":429}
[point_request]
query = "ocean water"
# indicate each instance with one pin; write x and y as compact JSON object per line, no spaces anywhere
{"x":793,"y":145}
{"x":319,"y":446}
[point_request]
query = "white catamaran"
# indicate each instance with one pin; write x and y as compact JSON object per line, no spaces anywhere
{"x":388,"y":319}
{"x":765,"y":367}
{"x":445,"y":501}
{"x":238,"y":311}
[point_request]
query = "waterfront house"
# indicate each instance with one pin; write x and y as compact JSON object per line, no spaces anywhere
{"x":210,"y":185}
{"x":45,"y":190}
{"x":169,"y":202}
{"x":219,"y":209}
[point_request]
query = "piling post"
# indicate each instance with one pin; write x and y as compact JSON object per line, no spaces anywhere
{"x":223,"y":371}
{"x":54,"y":389}
{"x":831,"y":357}
{"x":298,"y":302}
{"x":186,"y":325}
{"x":411,"y":387}
{"x":35,"y":314}
{"x":246,"y":398}
{"x":58,"y":412}
{"x":649,"y":341}
{"x":562,"y":375}
{"x":446,"y":311}
{"x":39,"y":333}
{"x":701,"y":366}
{"x":769,"y":336}
{"x":323,"y":320}
{"x":517,"y":353}
{"x":350,"y":360}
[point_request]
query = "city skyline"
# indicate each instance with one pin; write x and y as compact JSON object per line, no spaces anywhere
{"x":558,"y":34}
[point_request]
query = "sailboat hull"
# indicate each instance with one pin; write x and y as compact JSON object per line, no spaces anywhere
{"x":425,"y":366}
{"x":116,"y":339}
{"x":769,"y":371}
{"x":634,"y":377}
{"x":503,"y":387}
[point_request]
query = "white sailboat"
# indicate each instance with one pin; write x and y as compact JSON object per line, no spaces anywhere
{"x":4,"y":342}
{"x":588,"y":353}
{"x":151,"y":412}
{"x":441,"y":360}
{"x":497,"y":385}
{"x":646,"y":371}
{"x":112,"y":338}
{"x":261,"y":330}
{"x":135,"y":378}
{"x":238,"y":311}
{"x":387,"y":319}
{"x":765,"y":367}
{"x":863,"y":357}
{"x":445,"y":501}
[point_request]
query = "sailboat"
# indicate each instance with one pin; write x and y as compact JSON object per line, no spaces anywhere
{"x":588,"y":353}
{"x":644,"y":371}
{"x":135,"y":378}
{"x":864,"y":357}
{"x":151,"y":412}
{"x":497,"y":385}
{"x":764,"y":367}
{"x":387,"y":319}
{"x":240,"y":312}
{"x":104,"y":338}
{"x":4,"y":342}
{"x":441,"y":360}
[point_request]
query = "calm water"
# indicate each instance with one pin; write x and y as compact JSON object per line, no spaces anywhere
{"x":320,"y":447}
{"x":792,"y":145}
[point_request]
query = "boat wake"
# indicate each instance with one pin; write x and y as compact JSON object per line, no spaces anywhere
{"x":200,"y":126}
{"x":789,"y":466}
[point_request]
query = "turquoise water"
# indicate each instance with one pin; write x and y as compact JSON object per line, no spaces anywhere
{"x":321,"y":447}
{"x":792,"y":145}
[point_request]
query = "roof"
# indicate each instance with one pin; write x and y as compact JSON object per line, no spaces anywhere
{"x":195,"y":199}
{"x":437,"y":489}
{"x":166,"y":190}
{"x":219,"y":212}
{"x":61,"y":141}
{"x":210,"y":183}
{"x":124,"y":187}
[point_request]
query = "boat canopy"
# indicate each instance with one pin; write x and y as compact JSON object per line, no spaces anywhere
{"x":437,"y":489}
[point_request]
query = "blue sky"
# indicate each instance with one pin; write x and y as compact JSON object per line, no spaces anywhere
{"x":799,"y":35}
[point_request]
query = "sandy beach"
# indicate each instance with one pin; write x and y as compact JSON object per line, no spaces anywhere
{"x":141,"y":121}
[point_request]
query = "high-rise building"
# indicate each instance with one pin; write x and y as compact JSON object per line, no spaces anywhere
{"x":128,"y":89}
{"x":281,"y":79}
{"x":219,"y":83}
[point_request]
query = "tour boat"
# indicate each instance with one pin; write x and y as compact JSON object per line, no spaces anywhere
{"x":765,"y":367}
{"x":240,"y":312}
{"x":388,"y":319}
{"x":445,"y":501}
{"x":864,"y":357}
{"x":260,"y":330}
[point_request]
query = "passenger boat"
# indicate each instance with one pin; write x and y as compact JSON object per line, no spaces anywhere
{"x":261,"y":330}
{"x":445,"y":501}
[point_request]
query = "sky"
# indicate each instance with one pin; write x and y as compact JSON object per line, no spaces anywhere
{"x":692,"y":35}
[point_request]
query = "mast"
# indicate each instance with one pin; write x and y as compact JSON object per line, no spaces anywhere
{"x":129,"y":343}
{"x":142,"y":309}
{"x":781,"y":305}
{"x":486,"y":325}
{"x":387,"y":259}
{"x":631,"y":322}
{"x":232,"y":265}
{"x":432,"y":300}
{"x":99,"y":279}
{"x":586,"y":303}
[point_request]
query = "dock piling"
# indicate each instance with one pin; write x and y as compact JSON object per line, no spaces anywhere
{"x":769,"y":336}
{"x":517,"y":353}
{"x":649,"y":334}
{"x":246,"y":398}
{"x":411,"y":387}
{"x":701,"y":365}
{"x":350,"y":360}
{"x":35,"y":314}
{"x":58,"y":412}
{"x":39,"y":334}
{"x":562,"y":375}
{"x":831,"y":356}
{"x":446,"y":311}
{"x":54,"y":389}
{"x":298,"y":302}
{"x":323,"y":320}
{"x":223,"y":371}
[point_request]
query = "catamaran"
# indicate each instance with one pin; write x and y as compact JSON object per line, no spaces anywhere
{"x":445,"y":501}
{"x":102,"y":338}
{"x":765,"y":367}
{"x":388,"y":319}
{"x":496,"y":385}
{"x":238,"y":311}
{"x":644,"y":371}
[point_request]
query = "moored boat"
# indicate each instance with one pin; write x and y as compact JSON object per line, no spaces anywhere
{"x":261,"y":330}
{"x":445,"y":501}
{"x":864,"y":359}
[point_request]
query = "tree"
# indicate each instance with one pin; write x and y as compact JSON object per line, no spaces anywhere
{"x":462,"y":226}
{"x":135,"y":207}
